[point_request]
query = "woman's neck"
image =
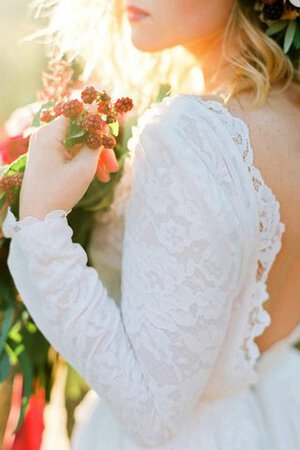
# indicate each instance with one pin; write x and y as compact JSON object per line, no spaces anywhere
{"x":217,"y":71}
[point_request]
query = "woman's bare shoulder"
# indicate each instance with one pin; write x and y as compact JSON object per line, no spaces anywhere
{"x":275,"y":139}
{"x":273,"y":126}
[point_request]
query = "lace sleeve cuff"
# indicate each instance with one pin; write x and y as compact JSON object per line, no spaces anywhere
{"x":11,"y":225}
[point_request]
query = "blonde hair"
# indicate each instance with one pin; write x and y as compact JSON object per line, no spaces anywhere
{"x":261,"y":62}
{"x":97,"y":32}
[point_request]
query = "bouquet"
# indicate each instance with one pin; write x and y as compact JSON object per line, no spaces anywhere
{"x":95,"y":119}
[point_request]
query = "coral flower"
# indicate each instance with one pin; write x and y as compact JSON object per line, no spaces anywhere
{"x":13,"y":147}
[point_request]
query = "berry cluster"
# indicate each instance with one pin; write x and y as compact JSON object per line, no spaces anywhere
{"x":124,"y":104}
{"x":89,"y":94}
{"x":92,"y":124}
{"x":71,"y":108}
{"x":10,"y":185}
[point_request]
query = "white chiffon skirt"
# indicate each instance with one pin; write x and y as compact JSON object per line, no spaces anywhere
{"x":265,"y":417}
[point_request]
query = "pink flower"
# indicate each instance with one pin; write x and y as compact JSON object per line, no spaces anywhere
{"x":21,"y":118}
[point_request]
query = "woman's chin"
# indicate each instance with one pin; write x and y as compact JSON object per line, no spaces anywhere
{"x":145,"y":44}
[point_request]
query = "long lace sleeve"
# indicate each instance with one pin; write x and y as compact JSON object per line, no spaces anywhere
{"x":151,"y":357}
{"x":105,"y":246}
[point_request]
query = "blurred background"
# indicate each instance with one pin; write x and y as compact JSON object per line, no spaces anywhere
{"x":21,"y":63}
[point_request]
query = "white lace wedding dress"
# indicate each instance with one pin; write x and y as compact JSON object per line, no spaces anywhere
{"x":175,"y":365}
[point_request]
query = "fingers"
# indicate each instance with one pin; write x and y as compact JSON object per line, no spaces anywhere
{"x":85,"y":162}
{"x":86,"y":153}
{"x":102,"y":173}
{"x":109,"y":158}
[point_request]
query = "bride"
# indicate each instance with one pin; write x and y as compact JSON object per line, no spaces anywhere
{"x":199,"y":355}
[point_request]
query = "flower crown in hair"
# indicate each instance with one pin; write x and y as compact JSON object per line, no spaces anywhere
{"x":282,"y":20}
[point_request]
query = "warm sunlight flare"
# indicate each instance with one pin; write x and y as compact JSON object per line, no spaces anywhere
{"x":89,"y":28}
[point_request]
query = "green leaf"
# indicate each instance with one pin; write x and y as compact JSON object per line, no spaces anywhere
{"x":103,"y":204}
{"x":4,"y":365}
{"x":11,"y":354}
{"x":74,"y":384}
{"x":289,"y":35}
{"x":19,"y":349}
{"x":2,"y":240}
{"x":74,"y":129}
{"x":37,"y":347}
{"x":3,"y":210}
{"x":27,"y":387}
{"x":94,"y":194}
{"x":130,"y":122}
{"x":8,"y":291}
{"x":14,"y":333}
{"x":297,"y":38}
{"x":75,"y":134}
{"x":164,"y":91}
{"x":276,"y":27}
{"x":31,"y":327}
{"x":114,"y":128}
{"x":71,"y":141}
{"x":3,"y":202}
{"x":17,"y":166}
{"x":6,"y":325}
{"x":36,"y":120}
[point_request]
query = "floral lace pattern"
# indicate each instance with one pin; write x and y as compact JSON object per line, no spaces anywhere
{"x":271,"y":230}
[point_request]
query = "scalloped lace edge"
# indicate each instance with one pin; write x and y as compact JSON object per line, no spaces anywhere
{"x":11,"y":225}
{"x":259,"y":318}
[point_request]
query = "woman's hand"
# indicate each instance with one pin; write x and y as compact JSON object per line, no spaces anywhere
{"x":55,"y":178}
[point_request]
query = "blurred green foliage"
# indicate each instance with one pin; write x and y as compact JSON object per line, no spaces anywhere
{"x":21,"y":63}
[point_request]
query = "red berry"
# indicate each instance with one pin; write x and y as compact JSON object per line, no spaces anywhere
{"x":94,"y":139}
{"x":89,"y":94}
{"x":123,"y":105}
{"x":47,"y":115}
{"x":58,"y":109}
{"x":93,"y":122}
{"x":108,"y":141}
{"x":72,"y":108}
{"x":104,"y":97}
{"x":104,"y":108}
